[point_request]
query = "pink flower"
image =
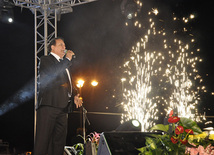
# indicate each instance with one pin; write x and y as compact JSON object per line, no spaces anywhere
{"x":94,"y":137}
{"x":201,"y":150}
{"x":193,"y":151}
{"x":209,"y":149}
{"x":171,"y":113}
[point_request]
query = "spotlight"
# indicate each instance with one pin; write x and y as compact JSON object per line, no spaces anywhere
{"x":6,"y":11}
{"x":80,"y":83}
{"x":7,"y":15}
{"x":131,"y":125}
{"x":130,"y":15}
{"x":10,"y":20}
{"x":130,"y":8}
{"x":135,"y":123}
{"x":94,"y":83}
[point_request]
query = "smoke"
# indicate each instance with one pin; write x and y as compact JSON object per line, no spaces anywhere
{"x":19,"y":98}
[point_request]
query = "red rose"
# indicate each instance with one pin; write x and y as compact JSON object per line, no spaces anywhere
{"x":189,"y":131}
{"x":179,"y":129}
{"x":174,"y":140}
{"x":184,"y":141}
{"x":173,"y":119}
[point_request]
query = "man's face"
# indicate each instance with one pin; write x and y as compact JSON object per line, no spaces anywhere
{"x":59,"y":48}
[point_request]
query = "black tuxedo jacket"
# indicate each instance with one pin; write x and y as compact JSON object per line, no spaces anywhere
{"x":54,"y":84}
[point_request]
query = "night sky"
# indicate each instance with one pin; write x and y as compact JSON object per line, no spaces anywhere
{"x":97,"y":33}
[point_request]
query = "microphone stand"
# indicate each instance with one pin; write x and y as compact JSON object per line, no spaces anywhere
{"x":84,"y":112}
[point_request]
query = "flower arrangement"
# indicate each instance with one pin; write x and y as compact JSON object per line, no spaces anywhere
{"x":180,"y":136}
{"x":203,"y":144}
{"x":92,"y":137}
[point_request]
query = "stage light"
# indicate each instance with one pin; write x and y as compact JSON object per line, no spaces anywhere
{"x":131,"y":125}
{"x":7,"y":15}
{"x":192,"y":16}
{"x":130,"y":8}
{"x":135,"y":123}
{"x":130,"y":16}
{"x":94,"y":83}
{"x":80,"y":83}
{"x":10,"y":20}
{"x":6,"y":11}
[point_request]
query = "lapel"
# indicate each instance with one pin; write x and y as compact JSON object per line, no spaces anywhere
{"x":65,"y":74}
{"x":70,"y":82}
{"x":55,"y":61}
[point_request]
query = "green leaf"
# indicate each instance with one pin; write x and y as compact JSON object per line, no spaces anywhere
{"x":155,"y":135}
{"x":158,"y":151}
{"x":168,"y":145}
{"x":190,"y":124}
{"x":142,"y":149}
{"x":160,"y":127}
{"x":82,"y":138}
{"x":79,"y":146}
{"x":196,"y":129}
{"x":187,"y":123}
{"x":80,"y":152}
{"x":148,"y":153}
{"x":150,"y":142}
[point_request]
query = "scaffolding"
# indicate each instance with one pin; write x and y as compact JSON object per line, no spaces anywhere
{"x":46,"y":14}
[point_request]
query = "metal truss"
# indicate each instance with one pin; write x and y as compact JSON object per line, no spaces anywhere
{"x":46,"y":14}
{"x":64,"y":5}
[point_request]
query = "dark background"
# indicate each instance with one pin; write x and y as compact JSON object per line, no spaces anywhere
{"x":96,"y":32}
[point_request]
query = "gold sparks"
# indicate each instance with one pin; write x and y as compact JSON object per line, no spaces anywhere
{"x":155,"y":11}
{"x":161,"y":72}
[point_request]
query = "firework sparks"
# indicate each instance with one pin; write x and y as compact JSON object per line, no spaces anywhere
{"x":161,"y":75}
{"x":155,"y":11}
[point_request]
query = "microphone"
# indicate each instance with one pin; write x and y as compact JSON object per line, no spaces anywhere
{"x":66,"y":51}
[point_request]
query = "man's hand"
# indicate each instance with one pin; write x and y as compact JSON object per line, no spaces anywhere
{"x":78,"y":101}
{"x":69,"y":54}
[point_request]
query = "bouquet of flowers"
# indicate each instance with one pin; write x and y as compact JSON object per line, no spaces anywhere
{"x":92,"y":138}
{"x":178,"y":136}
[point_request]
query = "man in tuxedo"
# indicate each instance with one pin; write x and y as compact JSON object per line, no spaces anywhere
{"x":56,"y":98}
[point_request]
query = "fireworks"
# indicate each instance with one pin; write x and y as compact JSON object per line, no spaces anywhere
{"x":161,"y":73}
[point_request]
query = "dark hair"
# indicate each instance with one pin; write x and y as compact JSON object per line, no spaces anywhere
{"x":53,"y":42}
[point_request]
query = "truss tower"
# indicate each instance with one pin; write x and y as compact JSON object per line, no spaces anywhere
{"x":46,"y":14}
